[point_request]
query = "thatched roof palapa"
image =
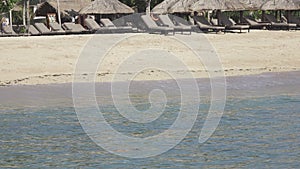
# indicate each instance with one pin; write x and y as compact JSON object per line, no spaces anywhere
{"x":236,"y":5}
{"x":208,"y":5}
{"x":281,"y":5}
{"x":66,"y":6}
{"x":106,"y":7}
{"x":182,"y":6}
{"x":185,"y":6}
{"x":164,"y":6}
{"x":227,"y":5}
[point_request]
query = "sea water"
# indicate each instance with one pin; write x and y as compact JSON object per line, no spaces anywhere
{"x":260,"y":127}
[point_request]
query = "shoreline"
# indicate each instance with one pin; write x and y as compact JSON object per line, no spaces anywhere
{"x":52,"y":59}
{"x":63,"y":78}
{"x":267,"y":75}
{"x":246,"y":86}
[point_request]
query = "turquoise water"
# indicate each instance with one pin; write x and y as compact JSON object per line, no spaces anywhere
{"x":260,"y":128}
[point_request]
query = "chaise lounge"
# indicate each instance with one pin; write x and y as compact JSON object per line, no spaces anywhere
{"x":55,"y":27}
{"x":91,"y":24}
{"x":257,"y":25}
{"x":33,"y":31}
{"x":108,"y":24}
{"x":94,"y":27}
{"x":42,"y":28}
{"x":165,"y":19}
{"x":206,"y":26}
{"x":72,"y":28}
{"x":152,"y":26}
{"x":279,"y":25}
{"x":231,"y":25}
{"x":293,"y":19}
{"x":7,"y":31}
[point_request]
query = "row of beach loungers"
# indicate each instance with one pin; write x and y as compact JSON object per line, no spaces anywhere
{"x":42,"y":29}
{"x":165,"y":24}
{"x":272,"y":23}
{"x":229,"y":24}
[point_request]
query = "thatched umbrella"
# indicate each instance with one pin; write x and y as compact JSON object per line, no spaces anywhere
{"x":164,"y":6}
{"x":208,"y":5}
{"x":281,"y":5}
{"x":228,"y":5}
{"x":106,"y":7}
{"x":187,"y":6}
{"x":182,"y":6}
{"x":252,"y":4}
{"x":237,"y":5}
{"x":66,"y":6}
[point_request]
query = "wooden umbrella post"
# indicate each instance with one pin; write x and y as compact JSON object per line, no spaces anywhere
{"x":58,"y":13}
{"x":241,"y":16}
{"x":148,"y":9}
{"x":24,"y":13}
{"x":10,"y":19}
{"x":28,"y":15}
{"x":219,"y":16}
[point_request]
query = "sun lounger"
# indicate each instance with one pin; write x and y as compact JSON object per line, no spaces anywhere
{"x":72,"y":28}
{"x":152,"y":26}
{"x":7,"y":31}
{"x":33,"y":31}
{"x":182,"y":22}
{"x":181,"y":28}
{"x":231,"y":25}
{"x":42,"y":28}
{"x":293,"y":19}
{"x":256,"y":25}
{"x":109,"y":25}
{"x":281,"y":25}
{"x":91,"y":24}
{"x":205,"y":25}
{"x":55,"y":27}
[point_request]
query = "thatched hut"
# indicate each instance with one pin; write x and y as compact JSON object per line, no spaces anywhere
{"x":164,"y":6}
{"x":182,"y":6}
{"x":106,"y":8}
{"x":67,"y":7}
{"x":226,"y":5}
{"x":281,"y":5}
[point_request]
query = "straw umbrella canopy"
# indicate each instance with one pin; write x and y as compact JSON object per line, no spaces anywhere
{"x":281,"y":5}
{"x":182,"y":6}
{"x":106,"y":7}
{"x":228,"y":5}
{"x":208,"y":5}
{"x":252,"y":4}
{"x":236,"y":5}
{"x":67,"y":7}
{"x":164,"y":6}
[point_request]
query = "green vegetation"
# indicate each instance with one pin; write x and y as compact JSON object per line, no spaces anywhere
{"x":6,"y":5}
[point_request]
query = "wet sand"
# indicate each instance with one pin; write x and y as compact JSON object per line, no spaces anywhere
{"x":248,"y":86}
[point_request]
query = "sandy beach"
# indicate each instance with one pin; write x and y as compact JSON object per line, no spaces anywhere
{"x":52,"y":59}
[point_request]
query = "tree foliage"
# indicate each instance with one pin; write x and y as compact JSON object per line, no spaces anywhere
{"x":6,"y":5}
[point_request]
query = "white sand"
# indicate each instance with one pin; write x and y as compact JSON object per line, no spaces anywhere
{"x":52,"y":59}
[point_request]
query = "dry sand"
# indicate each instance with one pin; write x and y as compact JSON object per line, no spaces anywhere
{"x":52,"y":59}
